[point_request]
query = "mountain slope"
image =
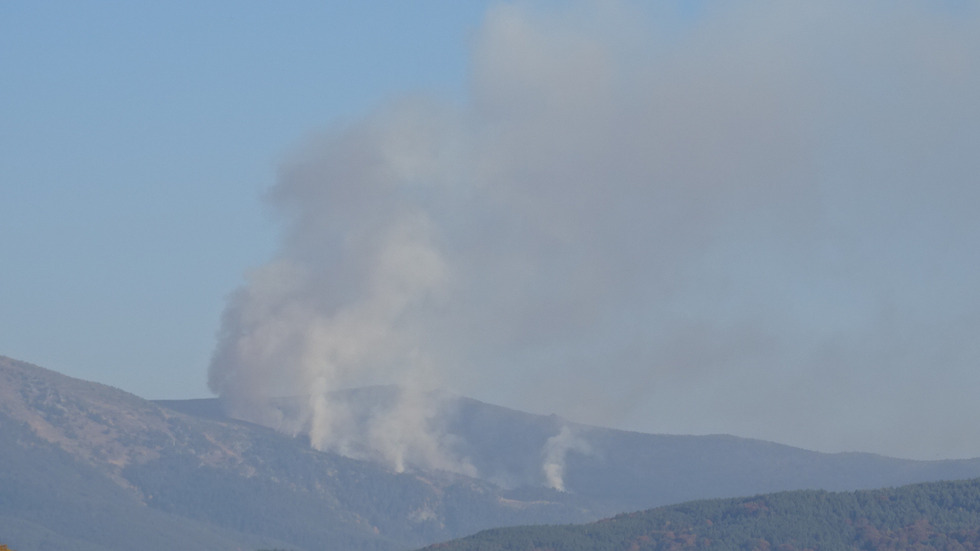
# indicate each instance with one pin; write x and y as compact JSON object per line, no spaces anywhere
{"x":938,"y":515}
{"x":621,"y":471}
{"x":93,"y":468}
{"x":50,"y":500}
{"x":609,"y":471}
{"x":100,"y":469}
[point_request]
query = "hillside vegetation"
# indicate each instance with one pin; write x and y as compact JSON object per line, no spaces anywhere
{"x":934,"y":516}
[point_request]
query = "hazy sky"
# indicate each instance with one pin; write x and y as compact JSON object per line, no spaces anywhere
{"x":755,"y":217}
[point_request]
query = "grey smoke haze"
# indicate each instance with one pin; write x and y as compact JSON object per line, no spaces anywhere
{"x":757,"y":220}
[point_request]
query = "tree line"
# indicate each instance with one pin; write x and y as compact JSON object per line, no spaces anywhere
{"x":933,"y":516}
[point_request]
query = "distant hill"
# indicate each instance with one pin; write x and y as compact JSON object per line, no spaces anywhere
{"x":930,"y":516}
{"x":627,"y":471}
{"x":91,"y":468}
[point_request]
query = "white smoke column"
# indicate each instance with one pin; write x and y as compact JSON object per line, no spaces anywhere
{"x":330,"y":312}
{"x":556,"y":450}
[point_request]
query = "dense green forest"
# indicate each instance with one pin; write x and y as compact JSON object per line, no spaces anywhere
{"x":936,"y":516}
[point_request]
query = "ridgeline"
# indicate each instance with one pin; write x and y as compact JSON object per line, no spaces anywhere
{"x":933,"y":516}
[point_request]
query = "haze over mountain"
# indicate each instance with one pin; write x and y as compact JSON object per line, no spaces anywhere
{"x":748,"y":217}
{"x":716,"y":208}
{"x":91,"y":468}
{"x":637,"y":213}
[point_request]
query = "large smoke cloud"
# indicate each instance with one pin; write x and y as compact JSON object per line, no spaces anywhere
{"x":694,"y":220}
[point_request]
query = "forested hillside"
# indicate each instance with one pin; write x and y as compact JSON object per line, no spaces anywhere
{"x":940,"y":515}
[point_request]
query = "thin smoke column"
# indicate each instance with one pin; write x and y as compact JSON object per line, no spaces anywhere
{"x":556,"y":450}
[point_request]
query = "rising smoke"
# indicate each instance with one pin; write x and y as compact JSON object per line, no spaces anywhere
{"x":766,"y":205}
{"x":339,"y":306}
{"x":556,"y":450}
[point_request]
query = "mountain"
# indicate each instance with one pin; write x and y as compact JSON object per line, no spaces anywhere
{"x":937,"y":515}
{"x":616,"y":471}
{"x":92,"y":468}
{"x":608,"y":471}
{"x":89,"y":467}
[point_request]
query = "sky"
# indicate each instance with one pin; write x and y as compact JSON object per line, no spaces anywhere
{"x":750,"y":217}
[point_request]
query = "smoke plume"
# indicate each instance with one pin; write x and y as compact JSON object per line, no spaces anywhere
{"x":555,"y":450}
{"x":640,"y":215}
{"x":337,"y":308}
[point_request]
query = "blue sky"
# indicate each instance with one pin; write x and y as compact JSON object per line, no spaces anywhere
{"x":138,"y":141}
{"x":751,"y":217}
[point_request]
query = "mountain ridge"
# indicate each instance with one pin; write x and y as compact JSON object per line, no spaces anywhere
{"x":226,"y":476}
{"x":94,"y":468}
{"x":926,"y":516}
